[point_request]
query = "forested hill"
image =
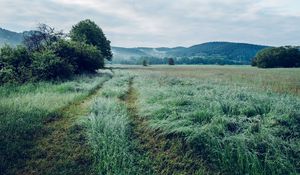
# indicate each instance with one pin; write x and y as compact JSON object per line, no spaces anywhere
{"x":206,"y":53}
{"x":9,"y":37}
{"x":234,"y":51}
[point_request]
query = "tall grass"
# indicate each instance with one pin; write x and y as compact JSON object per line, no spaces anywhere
{"x":236,"y":128}
{"x":109,"y":131}
{"x":25,"y":110}
{"x":277,"y":80}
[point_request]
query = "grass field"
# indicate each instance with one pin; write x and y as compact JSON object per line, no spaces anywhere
{"x":26,"y":110}
{"x":238,"y":120}
{"x":157,"y":120}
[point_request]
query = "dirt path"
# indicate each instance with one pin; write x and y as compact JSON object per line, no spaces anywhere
{"x":64,"y":150}
{"x":170,"y":154}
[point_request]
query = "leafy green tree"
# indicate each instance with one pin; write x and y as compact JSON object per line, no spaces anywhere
{"x":47,"y":55}
{"x":48,"y":66}
{"x":254,"y":62}
{"x":83,"y":57}
{"x":171,"y":61}
{"x":89,"y":32}
{"x":277,"y":57}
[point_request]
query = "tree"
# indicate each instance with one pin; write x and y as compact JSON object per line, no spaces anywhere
{"x":47,"y":66}
{"x":171,"y":61}
{"x":89,"y":32}
{"x":83,"y":57}
{"x":41,"y":38}
{"x":145,"y":63}
{"x":277,"y":57}
{"x":47,"y":54}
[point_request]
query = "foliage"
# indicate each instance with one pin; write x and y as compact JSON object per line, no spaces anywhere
{"x":189,"y":60}
{"x":47,"y":66}
{"x":15,"y":64}
{"x":171,"y":61}
{"x":83,"y":57}
{"x":48,"y":55}
{"x":277,"y":57}
{"x":89,"y":32}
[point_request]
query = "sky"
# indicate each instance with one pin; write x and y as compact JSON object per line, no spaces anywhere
{"x":164,"y":23}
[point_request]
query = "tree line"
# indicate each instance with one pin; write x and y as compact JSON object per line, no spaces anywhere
{"x":216,"y":59}
{"x":275,"y":57}
{"x":47,"y":54}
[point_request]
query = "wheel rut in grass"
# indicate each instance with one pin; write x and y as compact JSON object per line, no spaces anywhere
{"x":169,"y":154}
{"x":64,"y":150}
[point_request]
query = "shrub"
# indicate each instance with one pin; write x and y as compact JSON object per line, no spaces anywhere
{"x":15,"y":64}
{"x":83,"y":57}
{"x":7,"y":75}
{"x":47,"y":55}
{"x":47,"y":66}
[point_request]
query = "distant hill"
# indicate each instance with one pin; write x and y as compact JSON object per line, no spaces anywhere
{"x":206,"y":53}
{"x":9,"y":37}
{"x":228,"y":52}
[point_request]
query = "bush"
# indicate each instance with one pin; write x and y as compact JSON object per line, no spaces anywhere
{"x":7,"y":75}
{"x":83,"y":57}
{"x":47,"y":55}
{"x":15,"y":64}
{"x":277,"y":57}
{"x":47,"y":66}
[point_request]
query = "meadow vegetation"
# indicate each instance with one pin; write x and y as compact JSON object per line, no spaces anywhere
{"x":154,"y":120}
{"x":110,"y":132}
{"x":237,"y":128}
{"x":26,"y":110}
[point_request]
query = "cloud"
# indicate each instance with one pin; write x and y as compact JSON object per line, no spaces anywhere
{"x":165,"y":23}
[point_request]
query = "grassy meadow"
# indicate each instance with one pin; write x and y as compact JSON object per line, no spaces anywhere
{"x":26,"y":110}
{"x":161,"y":120}
{"x":239,"y":120}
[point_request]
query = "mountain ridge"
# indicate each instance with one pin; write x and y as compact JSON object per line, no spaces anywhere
{"x":10,"y":37}
{"x":237,"y":52}
{"x":229,"y":52}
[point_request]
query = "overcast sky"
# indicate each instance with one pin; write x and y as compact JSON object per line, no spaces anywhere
{"x":132,"y":23}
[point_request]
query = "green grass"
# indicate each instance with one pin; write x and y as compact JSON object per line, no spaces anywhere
{"x":26,"y":109}
{"x":109,"y":131}
{"x":277,"y":80}
{"x":155,"y":120}
{"x":236,"y":126}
